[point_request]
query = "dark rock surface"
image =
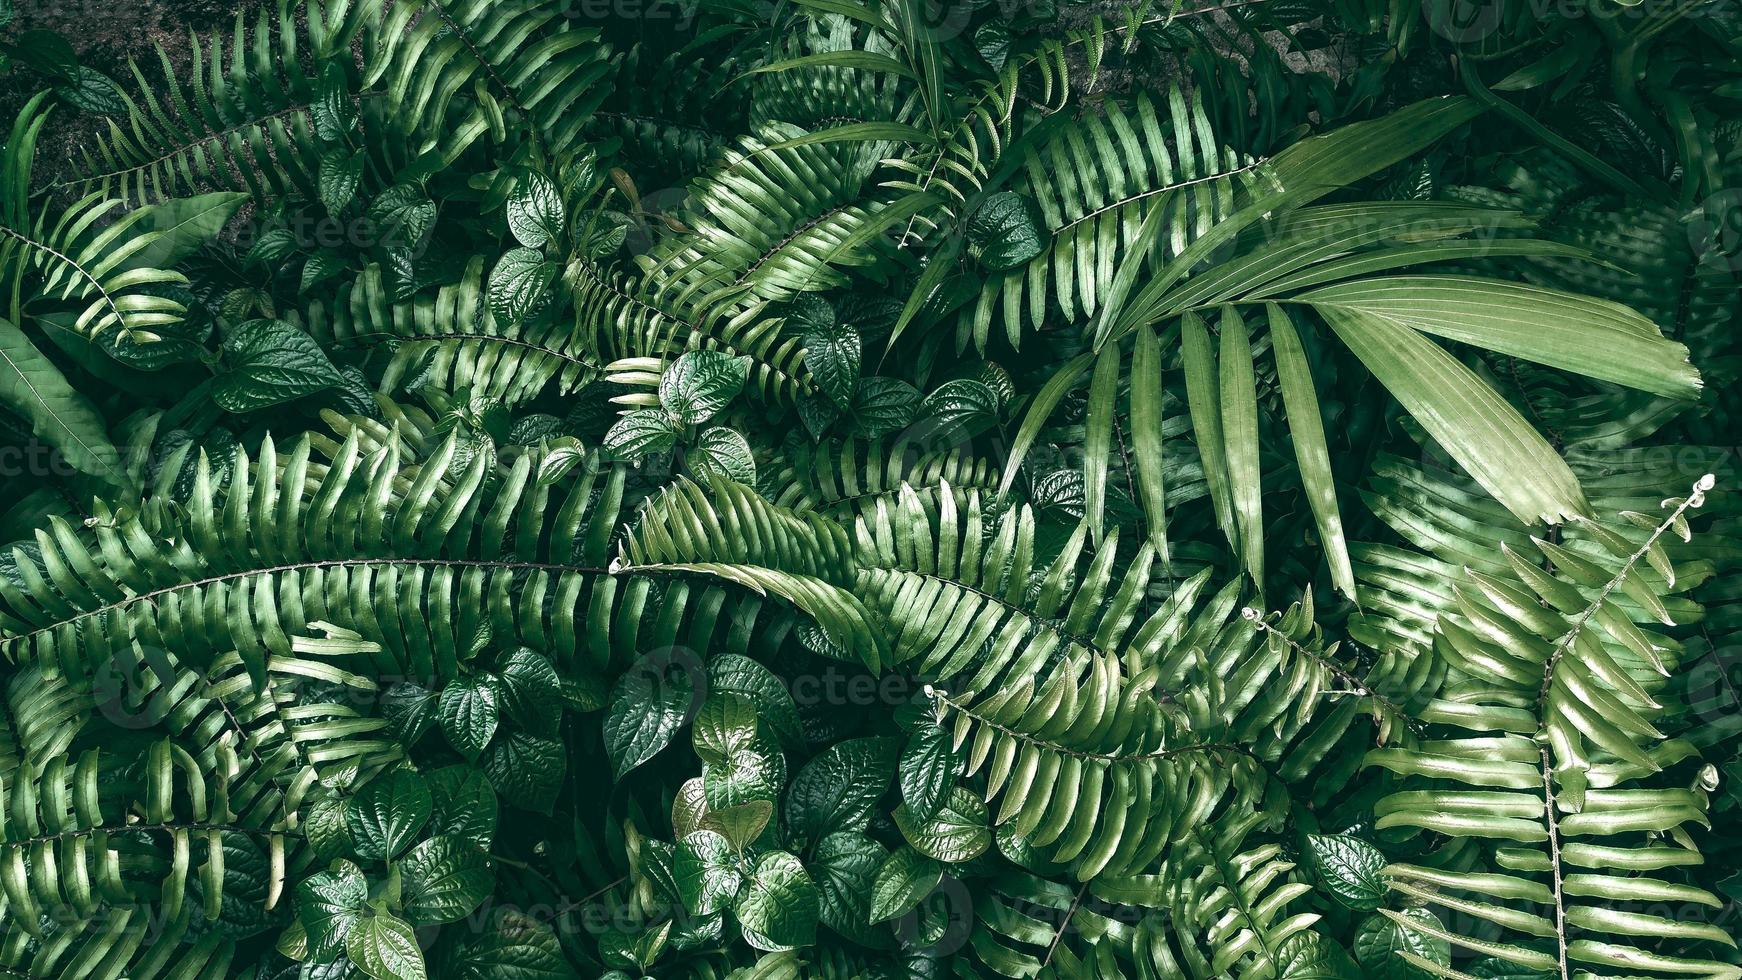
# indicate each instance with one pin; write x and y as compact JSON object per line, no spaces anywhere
{"x":104,"y":34}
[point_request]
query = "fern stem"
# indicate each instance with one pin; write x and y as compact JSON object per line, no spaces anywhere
{"x":1566,"y":642}
{"x":1554,"y":861}
{"x":1550,"y":820}
{"x":196,"y":827}
{"x":1180,"y":185}
{"x":213,"y":136}
{"x":28,"y":242}
{"x":1356,"y":685}
{"x":1166,"y":753}
{"x":301,"y":566}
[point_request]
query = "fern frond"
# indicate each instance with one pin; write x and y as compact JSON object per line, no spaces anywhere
{"x":770,"y":223}
{"x":737,"y":536}
{"x":1563,"y":791}
{"x":1450,"y":525}
{"x":239,"y":120}
{"x":291,"y":540}
{"x":1105,"y":732}
{"x":80,"y":255}
{"x":65,"y":852}
{"x":622,"y":319}
{"x":843,"y":477}
{"x":1094,"y":185}
{"x":438,"y":63}
{"x":1230,"y":901}
{"x":452,"y":340}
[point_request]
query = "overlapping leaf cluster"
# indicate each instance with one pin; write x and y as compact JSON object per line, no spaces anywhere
{"x":874,"y":489}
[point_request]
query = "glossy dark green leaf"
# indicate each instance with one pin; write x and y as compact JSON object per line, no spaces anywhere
{"x":469,"y":713}
{"x":270,"y":362}
{"x":328,"y":904}
{"x":526,"y":770}
{"x":384,"y":947}
{"x":904,"y":878}
{"x":724,"y":451}
{"x":535,"y":210}
{"x":49,"y":52}
{"x":780,"y":906}
{"x":833,"y":351}
{"x":443,"y":879}
{"x":1380,"y":941}
{"x":463,"y":805}
{"x":845,"y":865}
{"x":33,"y":388}
{"x":340,"y":172}
{"x":960,"y":830}
{"x":402,"y":215}
{"x":1005,"y":232}
{"x":386,"y":814}
{"x":706,"y":868}
{"x":334,"y":111}
{"x":695,"y":387}
{"x":520,"y":284}
{"x":530,"y":691}
{"x":513,"y":946}
{"x":741,"y":825}
{"x":1310,"y":956}
{"x":640,"y":434}
{"x":1348,"y":868}
{"x":183,"y":226}
{"x":884,"y":405}
{"x":838,"y":789}
{"x":648,"y":705}
{"x":928,"y":771}
{"x":749,"y":679}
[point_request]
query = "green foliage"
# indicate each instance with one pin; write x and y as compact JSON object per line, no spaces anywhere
{"x":511,"y":491}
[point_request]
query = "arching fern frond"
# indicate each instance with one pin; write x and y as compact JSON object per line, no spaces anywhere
{"x":81,"y":255}
{"x":737,"y":536}
{"x":1094,"y":184}
{"x":1230,"y":901}
{"x":66,"y":854}
{"x":1105,"y":730}
{"x":1557,"y":777}
{"x":241,"y":119}
{"x":1449,"y":525}
{"x":770,"y":223}
{"x":355,"y":540}
{"x":452,"y":340}
{"x":436,"y":61}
